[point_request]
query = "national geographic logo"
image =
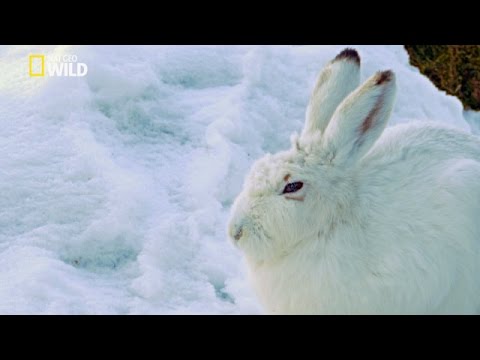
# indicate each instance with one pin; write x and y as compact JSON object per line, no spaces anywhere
{"x":40,"y":65}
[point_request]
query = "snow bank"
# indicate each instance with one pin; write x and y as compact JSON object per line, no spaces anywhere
{"x":115,"y":188}
{"x":473,"y":118}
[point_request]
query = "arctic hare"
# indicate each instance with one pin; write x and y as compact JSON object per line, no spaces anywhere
{"x":351,"y":222}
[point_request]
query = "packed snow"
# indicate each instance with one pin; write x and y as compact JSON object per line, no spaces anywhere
{"x":115,"y":187}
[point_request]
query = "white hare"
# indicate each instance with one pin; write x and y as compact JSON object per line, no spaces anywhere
{"x":348,"y":221}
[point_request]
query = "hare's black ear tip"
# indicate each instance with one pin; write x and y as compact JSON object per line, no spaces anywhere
{"x":348,"y":54}
{"x":384,"y":76}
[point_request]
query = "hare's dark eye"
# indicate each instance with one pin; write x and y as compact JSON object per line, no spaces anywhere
{"x":292,"y":187}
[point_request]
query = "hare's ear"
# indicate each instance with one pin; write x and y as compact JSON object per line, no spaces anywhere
{"x":338,"y":79}
{"x":360,"y":119}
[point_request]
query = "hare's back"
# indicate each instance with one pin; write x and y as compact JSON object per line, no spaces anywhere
{"x":411,"y":162}
{"x":421,"y":145}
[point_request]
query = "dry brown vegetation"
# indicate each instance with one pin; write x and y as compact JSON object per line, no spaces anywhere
{"x":453,"y":68}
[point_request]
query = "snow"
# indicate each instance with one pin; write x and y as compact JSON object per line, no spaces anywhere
{"x":115,"y":187}
{"x":473,"y":118}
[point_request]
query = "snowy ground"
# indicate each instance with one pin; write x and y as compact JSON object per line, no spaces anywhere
{"x":115,"y":188}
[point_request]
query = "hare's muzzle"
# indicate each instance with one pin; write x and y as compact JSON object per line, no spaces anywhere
{"x":238,"y":219}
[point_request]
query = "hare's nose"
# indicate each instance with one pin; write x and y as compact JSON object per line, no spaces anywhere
{"x":239,"y":219}
{"x":238,"y":233}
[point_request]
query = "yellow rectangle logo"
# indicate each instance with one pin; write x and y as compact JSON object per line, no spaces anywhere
{"x":36,"y":65}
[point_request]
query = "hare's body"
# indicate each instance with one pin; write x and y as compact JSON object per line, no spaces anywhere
{"x":350,"y":220}
{"x":413,"y":246}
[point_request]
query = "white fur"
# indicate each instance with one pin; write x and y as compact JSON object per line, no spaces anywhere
{"x":388,"y":224}
{"x":334,"y":83}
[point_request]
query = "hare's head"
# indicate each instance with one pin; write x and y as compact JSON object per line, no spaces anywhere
{"x":304,"y":193}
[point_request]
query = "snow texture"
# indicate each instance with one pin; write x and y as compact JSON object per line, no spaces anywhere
{"x":115,"y":187}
